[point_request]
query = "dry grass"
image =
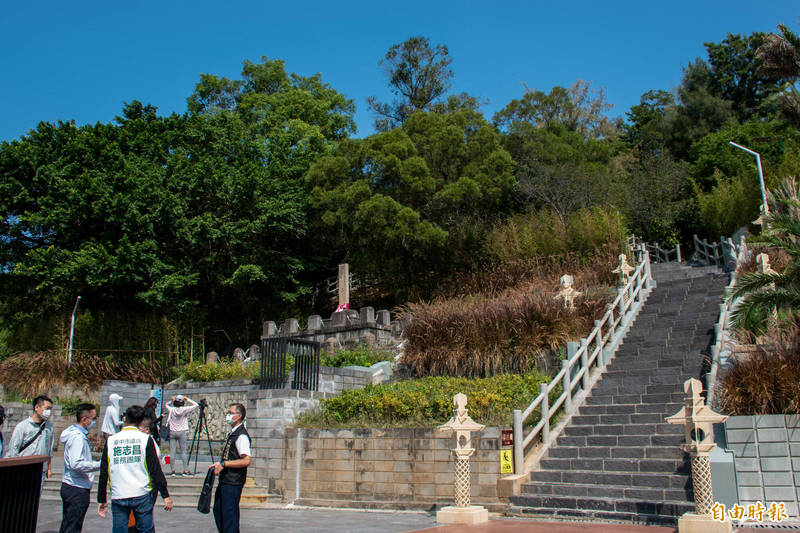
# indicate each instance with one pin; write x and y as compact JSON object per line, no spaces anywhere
{"x":768,"y":382}
{"x":509,"y":325}
{"x":778,"y":260}
{"x":29,"y":373}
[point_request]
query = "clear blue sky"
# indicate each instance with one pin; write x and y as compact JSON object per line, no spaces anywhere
{"x":82,"y":60}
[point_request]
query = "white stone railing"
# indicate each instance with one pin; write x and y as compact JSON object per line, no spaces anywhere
{"x":723,"y":254}
{"x":587,"y":362}
{"x":719,"y":350}
{"x":657,"y":253}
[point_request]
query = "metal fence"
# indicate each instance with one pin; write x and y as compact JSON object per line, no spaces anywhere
{"x":274,"y":354}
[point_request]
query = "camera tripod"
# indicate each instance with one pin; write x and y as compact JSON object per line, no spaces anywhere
{"x":201,"y":423}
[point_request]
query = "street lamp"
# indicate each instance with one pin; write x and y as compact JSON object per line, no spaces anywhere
{"x":765,"y":206}
{"x":72,"y":331}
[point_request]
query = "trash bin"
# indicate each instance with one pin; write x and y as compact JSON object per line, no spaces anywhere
{"x":20,"y":489}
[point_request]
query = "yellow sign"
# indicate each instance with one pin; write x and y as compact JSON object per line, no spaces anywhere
{"x":506,"y":462}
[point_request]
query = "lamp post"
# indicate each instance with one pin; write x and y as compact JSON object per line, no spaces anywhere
{"x":760,"y":175}
{"x":72,"y":331}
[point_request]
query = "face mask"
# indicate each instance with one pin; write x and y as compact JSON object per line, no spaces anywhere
{"x":46,"y":414}
{"x":92,"y":424}
{"x":229,"y":419}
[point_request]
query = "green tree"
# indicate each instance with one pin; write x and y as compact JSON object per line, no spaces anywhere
{"x":409,"y":202}
{"x":418,"y":74}
{"x":202,"y":217}
{"x":780,"y":56}
{"x":646,"y":128}
{"x":763,"y":294}
{"x":562,"y":144}
{"x":736,"y":75}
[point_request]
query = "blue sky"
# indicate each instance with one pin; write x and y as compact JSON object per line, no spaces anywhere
{"x":82,"y":60}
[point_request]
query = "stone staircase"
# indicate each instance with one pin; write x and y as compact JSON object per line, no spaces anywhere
{"x":618,"y":459}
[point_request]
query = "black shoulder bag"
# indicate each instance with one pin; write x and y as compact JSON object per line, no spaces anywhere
{"x":41,"y":428}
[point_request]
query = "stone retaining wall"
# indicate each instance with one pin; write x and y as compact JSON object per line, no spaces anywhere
{"x":766,"y":459}
{"x":385,"y":468}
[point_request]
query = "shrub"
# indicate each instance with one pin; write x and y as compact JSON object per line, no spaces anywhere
{"x":360,"y":356}
{"x":428,"y":401}
{"x":768,"y":382}
{"x":201,"y":372}
{"x":508,"y":330}
{"x":731,"y":204}
{"x":27,"y":373}
{"x":544,"y":233}
{"x":70,"y":403}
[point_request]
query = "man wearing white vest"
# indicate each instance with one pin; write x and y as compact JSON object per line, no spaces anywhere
{"x":130,"y":464}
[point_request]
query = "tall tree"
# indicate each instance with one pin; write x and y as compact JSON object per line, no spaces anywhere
{"x":780,"y":56}
{"x":736,"y":76}
{"x":645,"y":127}
{"x":418,"y":74}
{"x":406,"y":203}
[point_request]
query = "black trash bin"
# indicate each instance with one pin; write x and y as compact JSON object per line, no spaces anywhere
{"x":20,"y":489}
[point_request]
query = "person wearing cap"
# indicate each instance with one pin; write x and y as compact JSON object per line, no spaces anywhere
{"x":179,"y":408}
{"x":112,"y":421}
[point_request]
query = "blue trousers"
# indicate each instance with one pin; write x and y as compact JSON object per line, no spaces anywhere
{"x":142,"y":507}
{"x":226,"y":507}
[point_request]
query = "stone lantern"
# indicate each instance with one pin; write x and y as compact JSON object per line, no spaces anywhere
{"x":698,"y":420}
{"x":624,"y":269}
{"x":462,"y":425}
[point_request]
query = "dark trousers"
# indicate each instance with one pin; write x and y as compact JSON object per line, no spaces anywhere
{"x":226,"y":507}
{"x":75,"y":502}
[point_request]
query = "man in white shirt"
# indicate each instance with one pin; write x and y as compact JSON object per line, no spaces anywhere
{"x":34,"y":435}
{"x":232,"y":471}
{"x":79,"y":469}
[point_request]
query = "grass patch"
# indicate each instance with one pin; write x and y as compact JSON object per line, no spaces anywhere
{"x":360,"y":356}
{"x":427,"y":402}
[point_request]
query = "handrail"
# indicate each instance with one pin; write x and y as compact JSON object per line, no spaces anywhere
{"x":723,"y":254}
{"x":740,"y":254}
{"x":657,"y":253}
{"x":594,"y":352}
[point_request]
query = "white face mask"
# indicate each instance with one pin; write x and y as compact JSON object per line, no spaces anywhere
{"x":46,"y":414}
{"x":229,"y":419}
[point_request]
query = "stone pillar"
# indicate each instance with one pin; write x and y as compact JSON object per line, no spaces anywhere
{"x":462,"y":425}
{"x":344,"y":285}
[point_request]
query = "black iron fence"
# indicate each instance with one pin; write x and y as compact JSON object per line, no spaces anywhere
{"x":275,"y":352}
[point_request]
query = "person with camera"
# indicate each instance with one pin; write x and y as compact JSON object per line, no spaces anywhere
{"x":130,"y":464}
{"x":179,"y":408}
{"x":232,"y":471}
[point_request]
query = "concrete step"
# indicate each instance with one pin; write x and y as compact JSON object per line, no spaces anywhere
{"x":618,"y":464}
{"x":184,"y":491}
{"x":617,"y":479}
{"x":606,"y":491}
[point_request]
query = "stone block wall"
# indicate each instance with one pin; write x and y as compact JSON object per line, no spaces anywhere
{"x":766,"y":459}
{"x":385,"y":468}
{"x":270,"y":412}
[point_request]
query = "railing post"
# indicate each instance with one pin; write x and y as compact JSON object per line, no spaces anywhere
{"x":585,"y":364}
{"x":678,"y":251}
{"x":519,"y":466}
{"x":565,"y":384}
{"x":545,"y":412}
{"x":621,"y":294}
